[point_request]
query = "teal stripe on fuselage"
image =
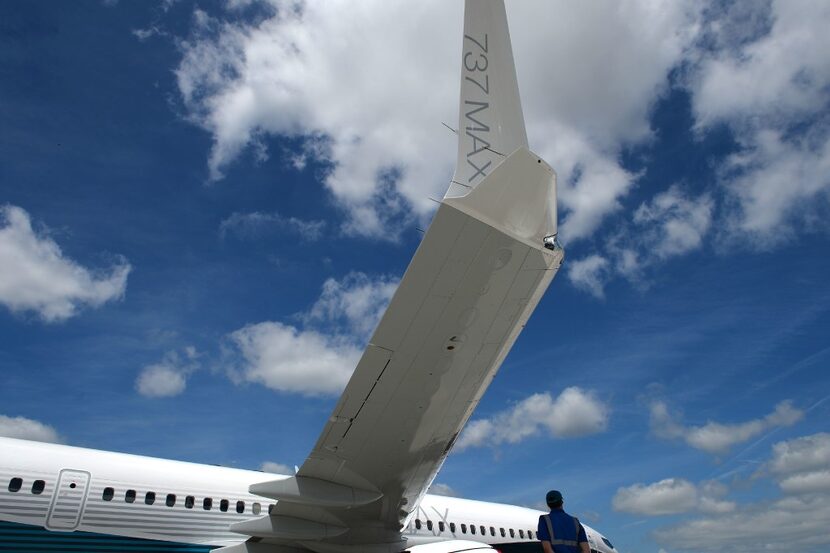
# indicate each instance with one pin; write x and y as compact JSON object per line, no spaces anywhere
{"x":24,"y":537}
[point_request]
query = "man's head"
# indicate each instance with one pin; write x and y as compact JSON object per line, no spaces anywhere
{"x":554,"y":499}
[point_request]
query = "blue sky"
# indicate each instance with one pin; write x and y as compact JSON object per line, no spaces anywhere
{"x":197,"y":195}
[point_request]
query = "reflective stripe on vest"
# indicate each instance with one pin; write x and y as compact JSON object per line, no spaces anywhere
{"x":554,"y":541}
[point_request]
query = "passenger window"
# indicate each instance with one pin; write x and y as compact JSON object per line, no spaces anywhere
{"x":129,"y":496}
{"x":440,"y":525}
{"x":473,"y":529}
{"x":109,"y":493}
{"x":530,"y":534}
{"x":429,"y":525}
{"x":15,"y":484}
{"x":501,"y":531}
{"x":240,"y":506}
{"x":171,"y":500}
{"x":207,"y":503}
{"x":521,"y":534}
{"x":452,"y":527}
{"x":417,"y":524}
{"x":256,"y":508}
{"x":189,"y":501}
{"x":512,"y":534}
{"x":463,"y":528}
{"x":483,"y":531}
{"x":150,"y":498}
{"x":37,"y":487}
{"x":492,"y":531}
{"x":223,"y":505}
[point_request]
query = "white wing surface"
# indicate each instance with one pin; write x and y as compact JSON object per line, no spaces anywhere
{"x":479,"y":272}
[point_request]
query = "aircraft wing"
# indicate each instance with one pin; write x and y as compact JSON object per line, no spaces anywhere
{"x":474,"y":281}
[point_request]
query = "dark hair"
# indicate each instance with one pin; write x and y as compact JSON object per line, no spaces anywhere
{"x":555,"y":504}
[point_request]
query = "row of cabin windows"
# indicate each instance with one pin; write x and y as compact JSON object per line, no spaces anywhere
{"x":189,"y":501}
{"x":482,"y":529}
{"x":15,"y":484}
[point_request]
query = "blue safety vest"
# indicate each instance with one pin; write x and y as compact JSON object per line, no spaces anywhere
{"x":564,"y":545}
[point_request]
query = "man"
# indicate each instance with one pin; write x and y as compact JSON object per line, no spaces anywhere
{"x":558,"y":531}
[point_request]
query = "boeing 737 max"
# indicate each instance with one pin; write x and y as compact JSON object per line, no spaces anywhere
{"x":482,"y":267}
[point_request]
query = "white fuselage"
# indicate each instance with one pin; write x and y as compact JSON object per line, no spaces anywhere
{"x":71,"y":491}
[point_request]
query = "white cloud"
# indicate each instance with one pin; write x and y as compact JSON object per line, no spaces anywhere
{"x":801,"y":454}
{"x":589,"y":274}
{"x":777,"y":182}
{"x":151,"y":31}
{"x":319,"y":358}
{"x":798,"y":520}
{"x":442,"y":489}
{"x":573,"y":413}
{"x":780,"y":72}
{"x":806,"y":483}
{"x":255,"y":223}
{"x":276,"y":468}
{"x":718,"y":438}
{"x":28,"y":429}
{"x":673,"y":224}
{"x":167,"y":378}
{"x":771,"y":88}
{"x":780,"y":526}
{"x":290,"y":360}
{"x":672,"y":496}
{"x":314,"y":72}
{"x":36,"y":276}
{"x":802,"y":465}
{"x":356,"y":303}
{"x":666,"y":497}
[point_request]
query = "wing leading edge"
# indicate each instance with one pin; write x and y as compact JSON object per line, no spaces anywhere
{"x":477,"y":276}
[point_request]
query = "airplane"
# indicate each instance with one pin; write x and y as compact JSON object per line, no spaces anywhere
{"x":481,"y":268}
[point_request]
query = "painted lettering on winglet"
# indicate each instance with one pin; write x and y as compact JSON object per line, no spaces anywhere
{"x":477,"y":112}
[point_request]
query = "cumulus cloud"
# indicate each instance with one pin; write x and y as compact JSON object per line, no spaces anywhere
{"x":167,"y":378}
{"x":672,"y":223}
{"x":718,"y":438}
{"x":672,"y":496}
{"x":276,"y":468}
{"x":775,"y":68}
{"x":777,"y":182}
{"x":354,"y":304}
{"x":796,"y":520}
{"x":801,"y":454}
{"x":290,"y":360}
{"x":589,"y":274}
{"x":770,"y":86}
{"x":802,"y":465}
{"x":318,"y":358}
{"x":28,"y":429}
{"x":36,"y":276}
{"x":442,"y":489}
{"x":573,"y":413}
{"x":256,"y":223}
{"x":778,"y":526}
{"x":758,"y":69}
{"x":310,"y":70}
{"x":666,"y":497}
